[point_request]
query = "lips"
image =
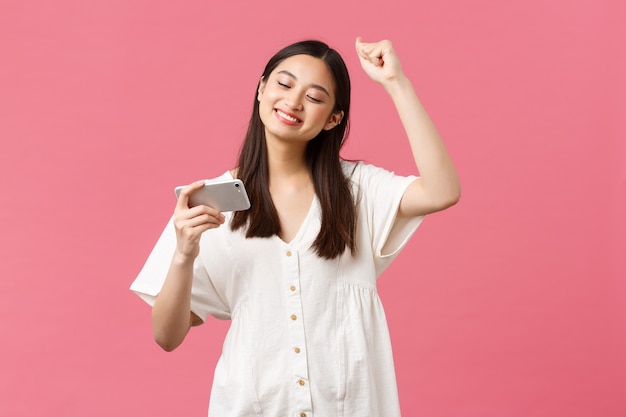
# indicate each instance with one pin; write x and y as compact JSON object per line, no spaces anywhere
{"x":287,"y":117}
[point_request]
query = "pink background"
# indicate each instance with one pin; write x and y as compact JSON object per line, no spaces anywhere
{"x":512,"y":303}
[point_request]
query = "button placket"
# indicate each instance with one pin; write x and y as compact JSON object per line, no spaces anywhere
{"x":295,"y":327}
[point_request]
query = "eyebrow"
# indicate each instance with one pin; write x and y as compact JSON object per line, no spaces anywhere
{"x":316,"y":86}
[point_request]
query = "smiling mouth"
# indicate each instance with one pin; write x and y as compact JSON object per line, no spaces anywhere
{"x":287,"y":117}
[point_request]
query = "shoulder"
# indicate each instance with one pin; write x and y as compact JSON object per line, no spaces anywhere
{"x":228,"y":175}
{"x":355,"y":169}
{"x":348,"y":167}
{"x":359,"y":171}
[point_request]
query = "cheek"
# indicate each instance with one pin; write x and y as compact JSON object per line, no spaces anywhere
{"x":267,"y":100}
{"x":321,"y":115}
{"x":268,"y":92}
{"x":265,"y":103}
{"x":264,"y":113}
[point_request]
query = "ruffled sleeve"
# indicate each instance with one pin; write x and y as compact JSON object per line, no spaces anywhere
{"x":379,"y":195}
{"x":205,"y":299}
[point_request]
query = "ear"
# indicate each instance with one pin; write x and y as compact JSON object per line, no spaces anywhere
{"x":334,"y":120}
{"x":261,"y":88}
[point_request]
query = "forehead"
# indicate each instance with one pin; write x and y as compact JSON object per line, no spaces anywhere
{"x":306,"y":69}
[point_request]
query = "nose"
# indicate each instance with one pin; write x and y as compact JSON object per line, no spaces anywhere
{"x":294,"y":99}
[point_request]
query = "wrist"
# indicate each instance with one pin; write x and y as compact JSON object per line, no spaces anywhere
{"x":183,"y":259}
{"x":398,"y":85}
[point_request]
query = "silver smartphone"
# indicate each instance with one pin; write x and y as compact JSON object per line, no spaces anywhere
{"x":223,"y":195}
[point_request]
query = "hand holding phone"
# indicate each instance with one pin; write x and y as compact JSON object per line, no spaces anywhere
{"x":222,"y":195}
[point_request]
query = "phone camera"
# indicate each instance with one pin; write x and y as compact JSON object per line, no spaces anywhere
{"x":237,"y":185}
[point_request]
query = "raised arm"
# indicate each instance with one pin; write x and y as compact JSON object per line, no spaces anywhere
{"x":438,"y":186}
{"x":171,"y":314}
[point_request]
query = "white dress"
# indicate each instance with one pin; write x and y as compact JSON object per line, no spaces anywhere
{"x":308,"y":336}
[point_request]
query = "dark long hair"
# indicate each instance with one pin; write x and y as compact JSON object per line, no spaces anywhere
{"x":332,"y":188}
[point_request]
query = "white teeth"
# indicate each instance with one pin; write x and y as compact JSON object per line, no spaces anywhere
{"x":286,"y":116}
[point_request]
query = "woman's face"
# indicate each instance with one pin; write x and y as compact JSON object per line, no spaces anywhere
{"x":297,"y":100}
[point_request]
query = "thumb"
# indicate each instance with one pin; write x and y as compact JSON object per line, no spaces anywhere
{"x":183,"y":197}
{"x":359,"y":44}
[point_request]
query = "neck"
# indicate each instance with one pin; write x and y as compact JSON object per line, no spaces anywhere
{"x":286,"y":161}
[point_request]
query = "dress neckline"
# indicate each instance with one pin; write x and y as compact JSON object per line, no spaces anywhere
{"x":295,"y":242}
{"x":301,"y":233}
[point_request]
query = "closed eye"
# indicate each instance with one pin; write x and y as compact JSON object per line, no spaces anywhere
{"x":283,"y":84}
{"x":314,"y":100}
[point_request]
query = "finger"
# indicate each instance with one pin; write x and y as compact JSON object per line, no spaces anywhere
{"x":371,"y":52}
{"x":204,"y":219}
{"x":203,"y":209}
{"x":183,"y":198}
{"x":361,"y":48}
{"x":189,"y":218}
{"x":189,"y":231}
{"x":357,"y":44}
{"x":195,"y":233}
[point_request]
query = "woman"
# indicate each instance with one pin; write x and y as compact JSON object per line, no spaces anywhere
{"x":297,"y":272}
